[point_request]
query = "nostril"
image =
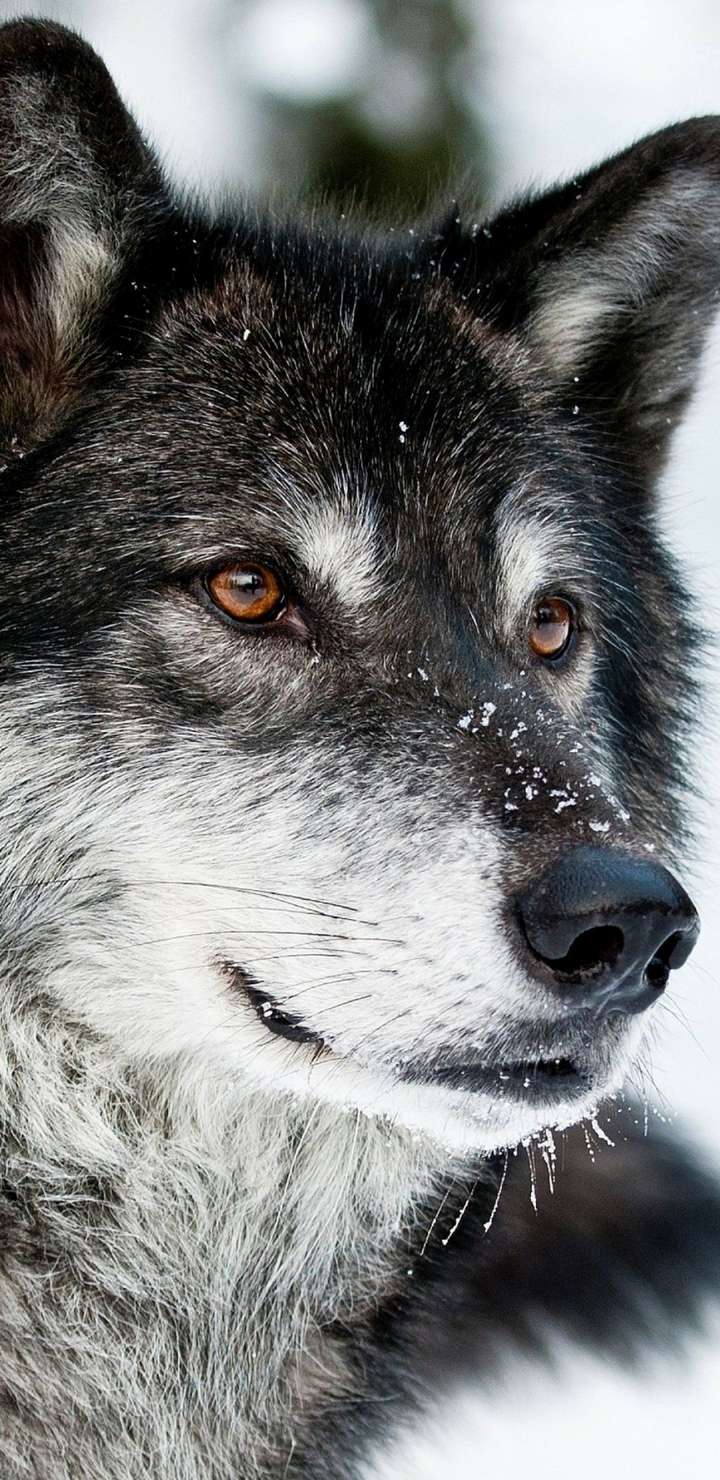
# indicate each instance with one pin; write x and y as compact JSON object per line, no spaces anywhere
{"x":608,"y":928}
{"x":600,"y":946}
{"x":658,"y":969}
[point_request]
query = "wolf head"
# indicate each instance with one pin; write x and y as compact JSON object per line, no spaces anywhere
{"x":342,"y":666}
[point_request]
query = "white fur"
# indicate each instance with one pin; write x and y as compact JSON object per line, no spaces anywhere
{"x":245,"y":1223}
{"x":339,"y":544}
{"x":382,"y":932}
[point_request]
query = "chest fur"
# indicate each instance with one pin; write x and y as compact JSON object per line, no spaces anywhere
{"x":186,"y":1310}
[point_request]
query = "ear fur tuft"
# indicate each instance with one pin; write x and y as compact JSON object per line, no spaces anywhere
{"x":77,"y":182}
{"x":609,"y":284}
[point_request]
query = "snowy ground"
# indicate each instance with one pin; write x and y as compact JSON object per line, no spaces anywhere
{"x":570,"y":82}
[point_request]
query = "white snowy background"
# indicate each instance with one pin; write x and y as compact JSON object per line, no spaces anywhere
{"x":559,"y":83}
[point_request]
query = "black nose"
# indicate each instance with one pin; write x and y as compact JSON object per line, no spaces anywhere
{"x":610,"y":926}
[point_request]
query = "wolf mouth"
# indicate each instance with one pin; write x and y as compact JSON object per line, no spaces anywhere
{"x":557,"y":1078}
{"x":525,"y":1080}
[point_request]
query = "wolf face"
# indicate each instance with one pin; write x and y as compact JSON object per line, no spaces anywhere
{"x":342,"y":663}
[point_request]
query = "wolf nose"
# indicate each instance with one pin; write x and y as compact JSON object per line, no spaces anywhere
{"x":610,"y":926}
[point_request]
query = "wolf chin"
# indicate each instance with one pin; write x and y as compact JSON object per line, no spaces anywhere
{"x":341,"y":785}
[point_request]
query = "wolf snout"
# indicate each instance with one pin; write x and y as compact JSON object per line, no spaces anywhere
{"x":608,"y":927}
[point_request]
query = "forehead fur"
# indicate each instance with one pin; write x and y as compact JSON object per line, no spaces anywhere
{"x":343,"y":369}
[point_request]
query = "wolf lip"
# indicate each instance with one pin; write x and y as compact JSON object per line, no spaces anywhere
{"x":556,"y":1078}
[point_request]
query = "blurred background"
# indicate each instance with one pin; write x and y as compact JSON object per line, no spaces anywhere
{"x":390,"y":103}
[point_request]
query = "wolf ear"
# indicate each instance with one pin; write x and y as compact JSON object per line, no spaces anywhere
{"x":77,"y":186}
{"x":609,"y":284}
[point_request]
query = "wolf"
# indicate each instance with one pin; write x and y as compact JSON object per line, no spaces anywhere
{"x":345,"y":684}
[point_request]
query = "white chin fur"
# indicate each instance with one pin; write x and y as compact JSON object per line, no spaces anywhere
{"x":461,"y":1121}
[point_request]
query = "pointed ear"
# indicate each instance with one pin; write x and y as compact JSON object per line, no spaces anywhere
{"x":610,"y":284}
{"x":78,"y":188}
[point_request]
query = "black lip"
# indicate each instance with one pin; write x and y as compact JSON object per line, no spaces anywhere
{"x":525,"y":1081}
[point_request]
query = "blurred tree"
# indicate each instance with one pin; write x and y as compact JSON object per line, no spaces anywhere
{"x":364,"y":98}
{"x":371,"y":99}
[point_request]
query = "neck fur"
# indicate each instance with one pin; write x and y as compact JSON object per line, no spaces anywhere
{"x":209,"y":1231}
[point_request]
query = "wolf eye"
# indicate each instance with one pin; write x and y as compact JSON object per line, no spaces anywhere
{"x":551,"y":627}
{"x":247,"y":593}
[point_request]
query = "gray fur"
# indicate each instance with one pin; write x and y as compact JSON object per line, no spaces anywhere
{"x":204,"y":1225}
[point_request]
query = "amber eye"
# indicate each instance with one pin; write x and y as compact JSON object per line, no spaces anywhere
{"x":247,"y":593}
{"x":551,"y":628}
